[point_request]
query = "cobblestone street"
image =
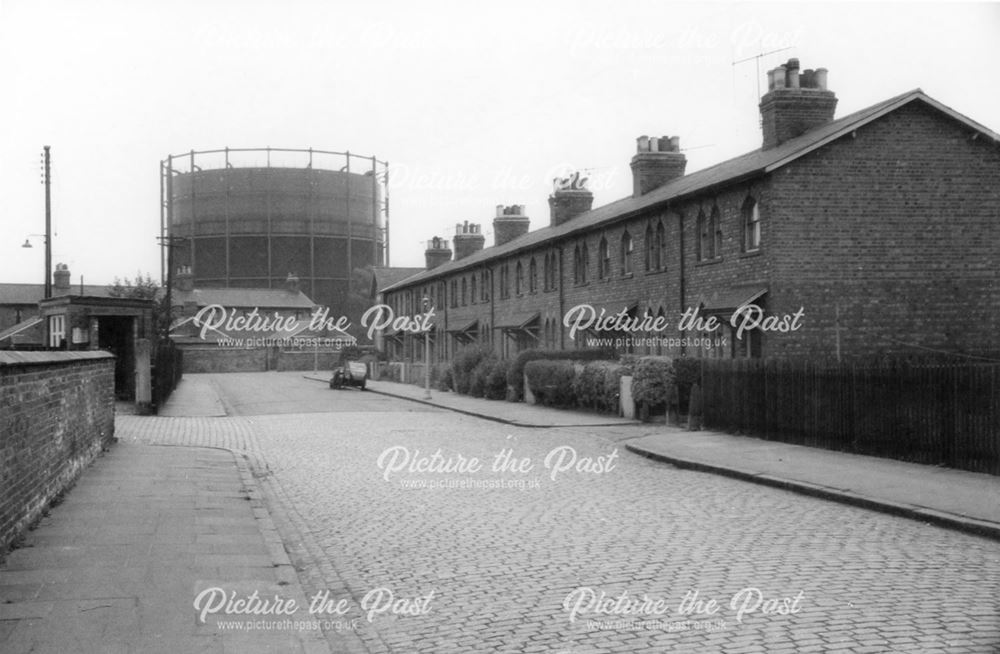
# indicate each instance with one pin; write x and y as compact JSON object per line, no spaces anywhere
{"x":371,"y":492}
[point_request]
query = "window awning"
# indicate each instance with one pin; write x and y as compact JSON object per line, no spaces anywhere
{"x":728,"y":300}
{"x":19,"y":327}
{"x":521,"y":322}
{"x":470,"y":327}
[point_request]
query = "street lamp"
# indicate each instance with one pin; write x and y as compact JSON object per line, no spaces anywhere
{"x":48,"y":260}
{"x":427,"y":306}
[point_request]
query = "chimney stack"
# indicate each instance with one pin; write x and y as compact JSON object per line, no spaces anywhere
{"x":60,"y":280}
{"x":468,"y":239}
{"x":292,"y":283}
{"x":794,"y":103}
{"x":184,"y":279}
{"x":437,"y":253}
{"x":509,"y":223}
{"x":656,"y":162}
{"x":570,"y":198}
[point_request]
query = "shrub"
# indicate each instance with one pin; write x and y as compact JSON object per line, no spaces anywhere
{"x":516,"y":370}
{"x":598,"y":386}
{"x":551,"y":381}
{"x":464,"y":365}
{"x":495,"y":387}
{"x":441,"y":377}
{"x":653,"y":380}
{"x":687,"y":372}
{"x":477,"y":379}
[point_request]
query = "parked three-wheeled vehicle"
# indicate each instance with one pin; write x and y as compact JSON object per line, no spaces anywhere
{"x":351,"y":373}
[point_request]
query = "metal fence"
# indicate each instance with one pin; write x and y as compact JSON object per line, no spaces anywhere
{"x":924,"y":412}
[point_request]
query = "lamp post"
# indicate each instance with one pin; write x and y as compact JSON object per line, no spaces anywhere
{"x":48,"y":260}
{"x":427,"y":351}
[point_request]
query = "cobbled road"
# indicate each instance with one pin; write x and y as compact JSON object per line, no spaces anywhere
{"x":577,"y":545}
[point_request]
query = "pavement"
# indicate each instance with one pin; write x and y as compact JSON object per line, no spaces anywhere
{"x":949,"y":498}
{"x":117,"y":566}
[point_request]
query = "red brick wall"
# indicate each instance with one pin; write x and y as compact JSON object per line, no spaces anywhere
{"x":58,"y":412}
{"x":899,"y":228}
{"x":896,"y":230}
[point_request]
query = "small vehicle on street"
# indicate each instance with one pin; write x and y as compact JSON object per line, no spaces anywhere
{"x":350,"y":373}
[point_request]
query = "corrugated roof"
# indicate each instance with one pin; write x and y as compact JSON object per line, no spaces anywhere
{"x":751,"y":164}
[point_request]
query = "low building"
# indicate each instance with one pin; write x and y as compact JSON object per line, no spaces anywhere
{"x":874,"y":233}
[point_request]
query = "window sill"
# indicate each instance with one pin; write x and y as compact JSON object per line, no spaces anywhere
{"x":709,"y":262}
{"x":751,"y":254}
{"x":656,"y":272}
{"x":628,"y":275}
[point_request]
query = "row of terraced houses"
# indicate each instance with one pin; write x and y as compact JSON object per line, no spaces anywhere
{"x":874,"y":233}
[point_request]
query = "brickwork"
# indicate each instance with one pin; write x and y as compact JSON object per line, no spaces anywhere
{"x":59,"y":410}
{"x":886,"y":238}
{"x":898,"y":231}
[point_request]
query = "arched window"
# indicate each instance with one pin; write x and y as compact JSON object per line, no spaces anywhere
{"x":519,"y":279}
{"x":465,"y":292}
{"x":716,"y":232}
{"x":650,"y":248}
{"x":603,"y":259}
{"x":627,"y":253}
{"x":532,"y":276}
{"x":584,"y":262}
{"x":474,"y":289}
{"x":661,"y":246}
{"x":751,"y":225}
{"x":701,"y":225}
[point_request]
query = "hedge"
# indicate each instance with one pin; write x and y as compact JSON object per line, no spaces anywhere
{"x":653,"y":380}
{"x":463,"y":366}
{"x":551,"y":382}
{"x":516,"y":371}
{"x":599,"y":385}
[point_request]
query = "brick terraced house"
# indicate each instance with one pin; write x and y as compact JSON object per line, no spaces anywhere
{"x":875,"y":233}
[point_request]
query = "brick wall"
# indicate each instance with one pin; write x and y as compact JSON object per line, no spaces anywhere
{"x":898,"y":231}
{"x":887,"y":240}
{"x":58,"y":413}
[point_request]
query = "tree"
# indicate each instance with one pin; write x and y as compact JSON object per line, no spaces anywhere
{"x":145,"y":288}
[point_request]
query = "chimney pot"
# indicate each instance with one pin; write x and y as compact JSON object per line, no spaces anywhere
{"x":787,"y":113}
{"x":820,"y":77}
{"x":642,"y":144}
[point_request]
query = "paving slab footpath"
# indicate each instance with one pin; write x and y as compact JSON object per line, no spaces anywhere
{"x":117,"y":566}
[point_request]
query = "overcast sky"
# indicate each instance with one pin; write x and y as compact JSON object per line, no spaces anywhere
{"x":473,"y":105}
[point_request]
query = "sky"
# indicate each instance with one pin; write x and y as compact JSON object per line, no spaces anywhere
{"x":472,"y":105}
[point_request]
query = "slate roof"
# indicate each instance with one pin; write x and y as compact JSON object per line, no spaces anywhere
{"x":32,"y":293}
{"x":263,"y":298}
{"x":746,"y":166}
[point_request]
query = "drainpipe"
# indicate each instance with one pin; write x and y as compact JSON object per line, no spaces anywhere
{"x":680,"y":241}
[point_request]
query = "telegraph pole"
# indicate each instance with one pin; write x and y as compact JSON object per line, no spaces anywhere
{"x":47,"y":180}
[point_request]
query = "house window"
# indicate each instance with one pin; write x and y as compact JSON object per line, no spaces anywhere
{"x":627,"y":254}
{"x":57,"y":330}
{"x":454,"y":293}
{"x":519,"y":279}
{"x":701,"y":225}
{"x":532,"y":276}
{"x":661,"y":247}
{"x":603,"y":260}
{"x":486,"y":286}
{"x":504,"y":282}
{"x":473,"y":289}
{"x":751,"y":225}
{"x":465,"y":292}
{"x":716,"y":232}
{"x":649,"y":250}
{"x":581,"y":261}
